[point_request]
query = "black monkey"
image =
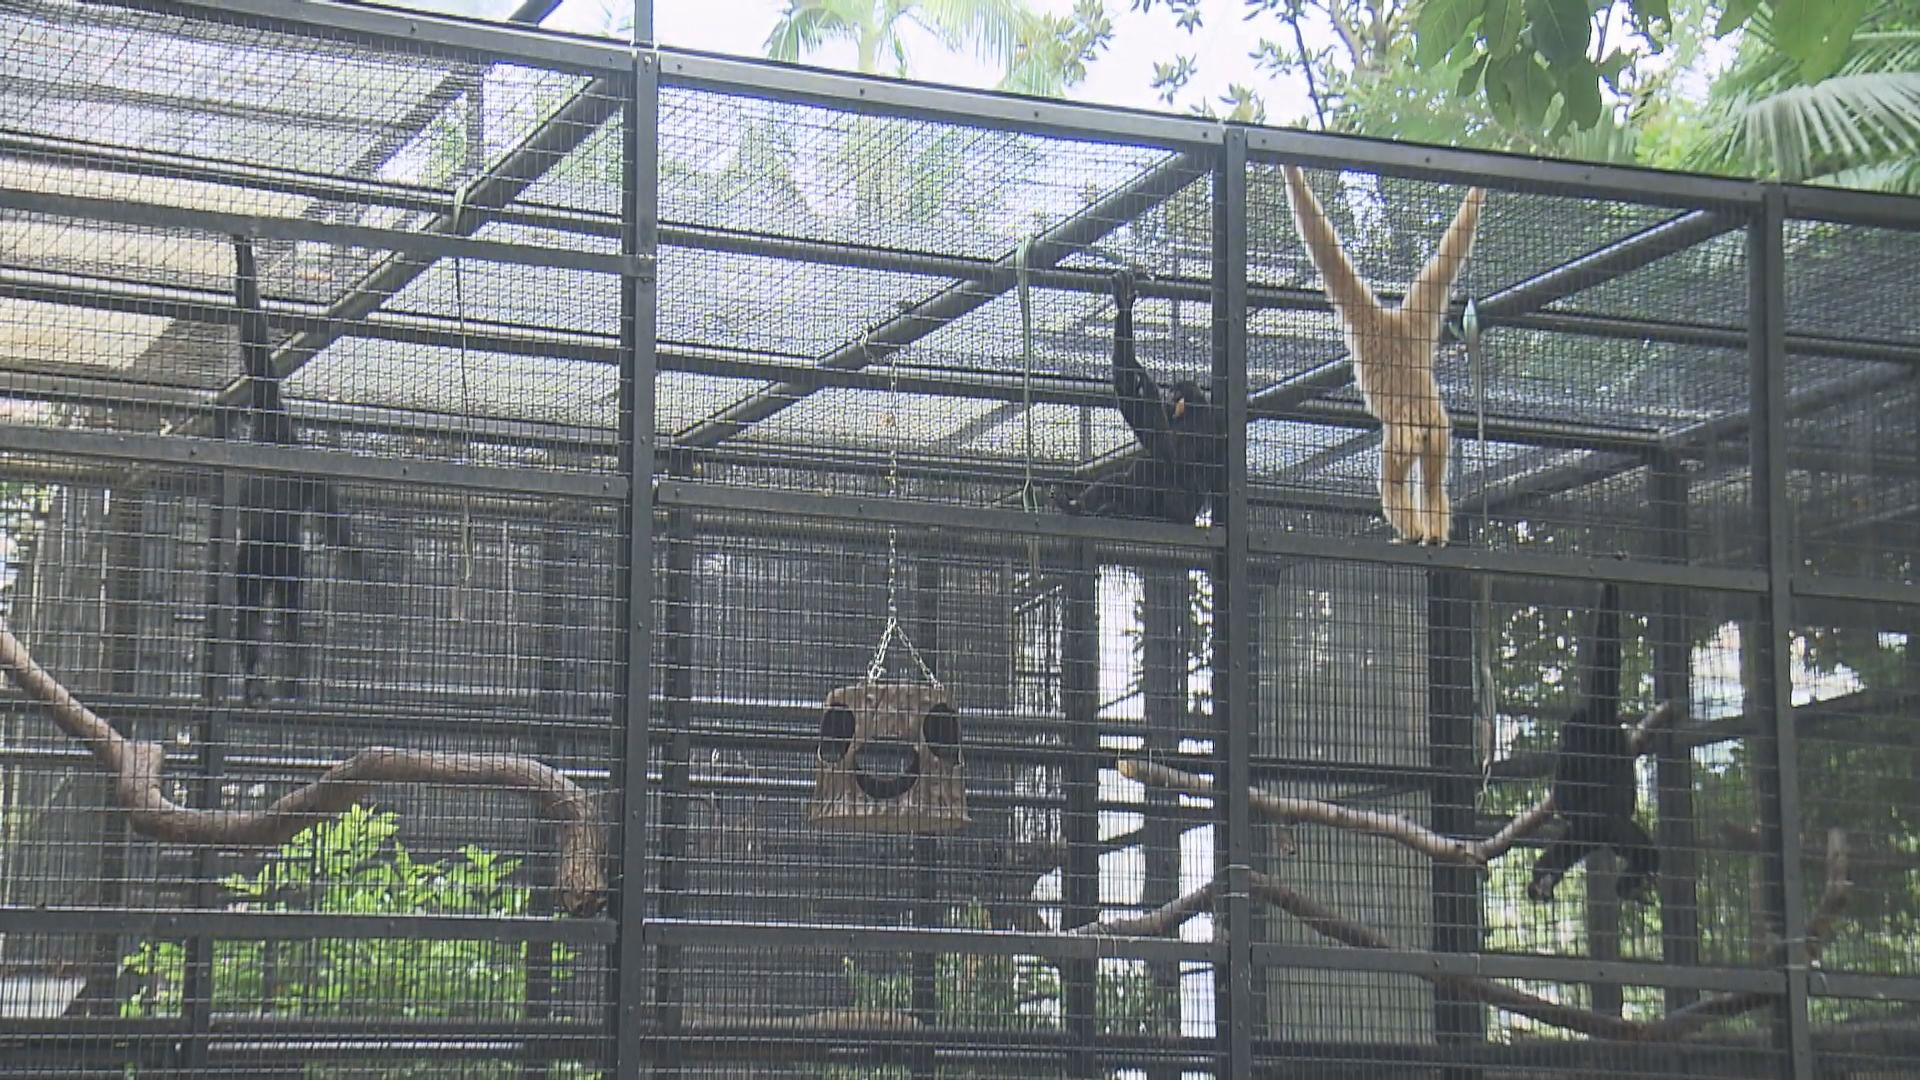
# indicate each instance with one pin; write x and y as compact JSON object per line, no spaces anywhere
{"x":271,"y":563}
{"x":1180,"y":463}
{"x":1594,"y":788}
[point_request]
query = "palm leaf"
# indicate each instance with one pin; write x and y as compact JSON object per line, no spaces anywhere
{"x":991,"y":26}
{"x":1834,"y":124}
{"x":808,"y":24}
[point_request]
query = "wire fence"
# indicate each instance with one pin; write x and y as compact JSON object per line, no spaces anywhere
{"x":527,"y":556}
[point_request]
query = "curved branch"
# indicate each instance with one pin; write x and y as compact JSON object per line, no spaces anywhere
{"x":1162,"y":921}
{"x":1328,"y":923}
{"x":1287,"y":809}
{"x":137,"y":768}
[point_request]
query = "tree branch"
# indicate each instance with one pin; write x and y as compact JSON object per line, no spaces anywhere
{"x":1286,"y":810}
{"x":1330,"y":924}
{"x":137,"y":769}
{"x":1162,"y":921}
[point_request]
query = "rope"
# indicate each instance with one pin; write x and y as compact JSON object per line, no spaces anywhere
{"x":1029,"y":497}
{"x":1483,"y":660}
{"x":466,"y":414}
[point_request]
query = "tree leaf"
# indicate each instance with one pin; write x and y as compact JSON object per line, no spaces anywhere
{"x":1500,"y":26}
{"x":1440,"y":28}
{"x":1470,"y":78}
{"x":1561,"y":28}
{"x":1646,"y":11}
{"x":1580,"y":89}
{"x":1816,"y":32}
{"x":1734,"y":15}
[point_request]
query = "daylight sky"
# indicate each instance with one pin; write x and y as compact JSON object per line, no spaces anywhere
{"x":1122,"y":75}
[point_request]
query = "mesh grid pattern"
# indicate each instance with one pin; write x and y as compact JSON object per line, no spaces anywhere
{"x":540,"y":816}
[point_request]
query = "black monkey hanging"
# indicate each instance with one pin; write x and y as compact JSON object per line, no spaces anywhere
{"x":1181,"y":445}
{"x":1595,"y":790}
{"x":271,"y":561}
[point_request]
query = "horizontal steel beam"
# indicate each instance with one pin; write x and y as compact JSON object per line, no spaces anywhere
{"x":1520,"y":966}
{"x":1505,"y":563}
{"x":967,"y":108}
{"x":295,"y":926}
{"x":428,"y":244}
{"x":883,"y":511}
{"x":411,"y":33}
{"x":868,"y":938}
{"x":150,"y":450}
{"x":1845,"y":206}
{"x":1316,"y":149}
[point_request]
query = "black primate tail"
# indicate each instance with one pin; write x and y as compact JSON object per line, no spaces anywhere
{"x":1603,"y":671}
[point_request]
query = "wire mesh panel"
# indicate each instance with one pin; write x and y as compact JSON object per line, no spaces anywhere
{"x":767,"y":626}
{"x":884,"y":299}
{"x":312,"y":499}
{"x":1552,"y":387}
{"x":964,"y":752}
{"x":1855,"y":479}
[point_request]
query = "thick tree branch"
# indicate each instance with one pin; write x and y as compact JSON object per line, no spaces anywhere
{"x":1163,"y":921}
{"x":1287,"y":810}
{"x":137,"y":769}
{"x":1535,"y":817}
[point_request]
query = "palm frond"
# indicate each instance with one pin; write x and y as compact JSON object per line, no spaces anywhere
{"x":1899,"y":177}
{"x":992,"y":26}
{"x":1847,"y":120}
{"x":809,"y":24}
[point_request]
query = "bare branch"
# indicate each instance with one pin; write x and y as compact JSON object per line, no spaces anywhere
{"x":1833,"y":901}
{"x":137,"y":769}
{"x":1286,"y":810}
{"x":1328,"y":923}
{"x":1163,"y":921}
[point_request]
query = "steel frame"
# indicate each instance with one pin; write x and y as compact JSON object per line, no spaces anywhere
{"x":630,"y":78}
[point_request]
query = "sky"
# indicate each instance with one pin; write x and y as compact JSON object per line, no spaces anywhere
{"x":1122,"y":75}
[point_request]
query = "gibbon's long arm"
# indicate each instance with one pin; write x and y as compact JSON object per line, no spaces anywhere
{"x":1348,"y":291}
{"x":1350,"y":295}
{"x":1428,"y":293}
{"x":1138,"y":396}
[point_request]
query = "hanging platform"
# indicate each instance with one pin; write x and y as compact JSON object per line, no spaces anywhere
{"x":856,"y":789}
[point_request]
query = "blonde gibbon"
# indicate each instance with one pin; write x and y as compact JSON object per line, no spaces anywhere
{"x":1393,"y":352}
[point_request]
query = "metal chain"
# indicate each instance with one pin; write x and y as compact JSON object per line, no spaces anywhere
{"x":878,"y":667}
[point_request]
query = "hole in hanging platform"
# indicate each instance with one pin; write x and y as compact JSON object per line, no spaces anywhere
{"x":836,"y":734}
{"x":943,"y":731}
{"x":886,"y":768}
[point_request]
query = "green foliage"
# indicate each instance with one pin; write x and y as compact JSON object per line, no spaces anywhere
{"x":1039,"y":54}
{"x":1051,"y":52}
{"x":1789,"y":110}
{"x":1008,"y":993}
{"x":354,"y":865}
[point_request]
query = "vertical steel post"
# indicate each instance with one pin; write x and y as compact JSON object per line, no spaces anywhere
{"x":927,"y":852}
{"x":1667,"y":491}
{"x":670,"y":878}
{"x":640,"y":215}
{"x":1080,"y":702}
{"x":1232,"y":688}
{"x":1767,"y":300}
{"x":1457,"y":1021}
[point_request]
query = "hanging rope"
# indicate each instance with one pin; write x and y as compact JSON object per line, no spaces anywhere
{"x":878,"y":667}
{"x":1029,"y":496}
{"x":462,"y":593}
{"x":1485,"y":691}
